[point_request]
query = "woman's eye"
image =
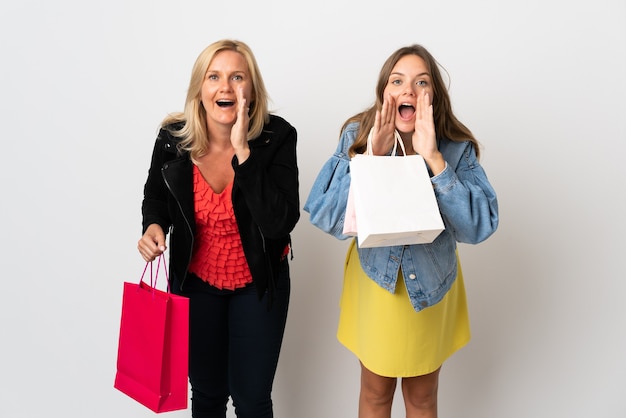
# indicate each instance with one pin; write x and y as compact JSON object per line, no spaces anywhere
{"x":422,"y":83}
{"x":237,"y":78}
{"x":396,"y":82}
{"x":212,"y":77}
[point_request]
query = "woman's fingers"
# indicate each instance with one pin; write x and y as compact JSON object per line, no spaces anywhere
{"x":152,"y":243}
{"x":424,"y":138}
{"x":239,"y":131}
{"x":388,"y":114}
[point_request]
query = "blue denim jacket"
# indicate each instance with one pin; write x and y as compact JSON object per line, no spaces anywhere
{"x":467,"y":203}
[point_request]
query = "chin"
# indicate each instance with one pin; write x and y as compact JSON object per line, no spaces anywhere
{"x":405,"y":127}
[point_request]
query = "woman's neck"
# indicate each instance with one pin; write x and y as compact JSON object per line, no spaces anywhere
{"x":219,"y":138}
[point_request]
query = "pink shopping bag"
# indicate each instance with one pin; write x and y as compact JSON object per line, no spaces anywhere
{"x":349,"y":219}
{"x":153,"y":350}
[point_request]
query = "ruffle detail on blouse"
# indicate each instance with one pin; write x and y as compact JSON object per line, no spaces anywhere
{"x":218,"y":256}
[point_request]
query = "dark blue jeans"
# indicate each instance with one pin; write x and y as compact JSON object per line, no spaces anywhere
{"x":234,"y":344}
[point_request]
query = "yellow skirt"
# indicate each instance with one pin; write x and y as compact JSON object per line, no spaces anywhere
{"x":387,"y":335}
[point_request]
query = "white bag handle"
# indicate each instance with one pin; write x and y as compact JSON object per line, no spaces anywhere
{"x":397,"y":138}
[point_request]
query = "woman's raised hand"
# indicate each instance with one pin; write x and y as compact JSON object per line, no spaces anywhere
{"x":239,"y":132}
{"x":384,"y":127}
{"x":424,"y":138}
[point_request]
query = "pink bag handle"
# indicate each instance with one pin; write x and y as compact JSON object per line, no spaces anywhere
{"x":154,"y":278}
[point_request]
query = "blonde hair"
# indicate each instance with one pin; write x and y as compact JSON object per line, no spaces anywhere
{"x":446,"y":123}
{"x":194,"y":129}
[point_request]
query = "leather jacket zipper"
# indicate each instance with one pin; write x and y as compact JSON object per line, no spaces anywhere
{"x":169,"y":187}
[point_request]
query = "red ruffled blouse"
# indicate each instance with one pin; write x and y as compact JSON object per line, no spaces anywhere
{"x":218,"y":256}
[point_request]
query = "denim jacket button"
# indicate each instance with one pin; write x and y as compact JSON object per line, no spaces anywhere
{"x":412,"y":276}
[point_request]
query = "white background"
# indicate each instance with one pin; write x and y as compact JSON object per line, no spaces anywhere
{"x":541,"y":83}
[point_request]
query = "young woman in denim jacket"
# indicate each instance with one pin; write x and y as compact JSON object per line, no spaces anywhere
{"x":403,"y":308}
{"x":224,"y":183}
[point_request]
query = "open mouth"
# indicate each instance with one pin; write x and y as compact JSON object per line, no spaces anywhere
{"x":406,"y":111}
{"x":225,"y":103}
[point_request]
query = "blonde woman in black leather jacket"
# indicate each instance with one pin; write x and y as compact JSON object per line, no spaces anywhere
{"x":226,"y":140}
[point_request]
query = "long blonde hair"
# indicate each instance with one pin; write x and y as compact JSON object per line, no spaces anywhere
{"x":446,"y":124}
{"x":194,"y":128}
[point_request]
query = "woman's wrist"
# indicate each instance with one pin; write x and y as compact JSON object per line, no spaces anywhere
{"x":435,"y":163}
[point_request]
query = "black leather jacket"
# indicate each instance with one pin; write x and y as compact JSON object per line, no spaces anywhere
{"x":265,"y":201}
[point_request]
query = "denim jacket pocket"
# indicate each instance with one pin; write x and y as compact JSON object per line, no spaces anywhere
{"x":439,"y":261}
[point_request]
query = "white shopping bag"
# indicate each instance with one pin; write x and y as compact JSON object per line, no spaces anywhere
{"x":394,"y":199}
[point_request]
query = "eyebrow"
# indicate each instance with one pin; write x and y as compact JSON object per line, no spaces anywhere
{"x":220,"y":71}
{"x":419,"y":75}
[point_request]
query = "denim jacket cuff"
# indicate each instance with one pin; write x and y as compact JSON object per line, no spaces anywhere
{"x":444,"y":180}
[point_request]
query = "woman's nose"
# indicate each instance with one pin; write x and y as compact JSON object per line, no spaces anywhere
{"x":225,"y":86}
{"x":409,"y":91}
